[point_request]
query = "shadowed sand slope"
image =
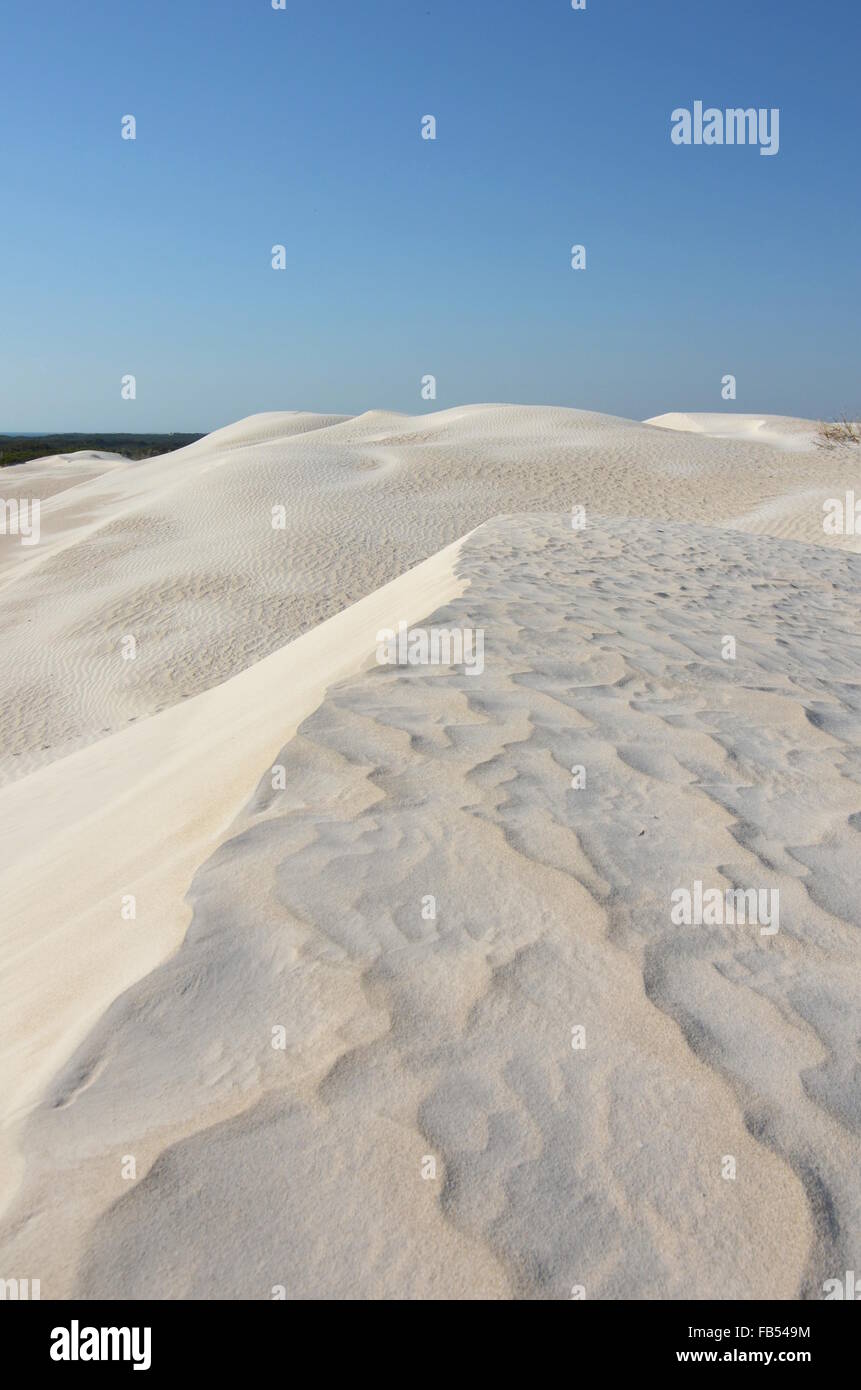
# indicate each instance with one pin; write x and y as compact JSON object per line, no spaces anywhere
{"x":417,"y":1031}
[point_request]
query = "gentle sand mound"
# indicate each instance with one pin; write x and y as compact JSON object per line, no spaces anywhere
{"x":779,"y":431}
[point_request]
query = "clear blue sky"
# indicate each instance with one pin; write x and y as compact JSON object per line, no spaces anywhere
{"x":407,"y":256}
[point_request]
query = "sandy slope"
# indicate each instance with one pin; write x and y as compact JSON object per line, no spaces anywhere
{"x":179,"y":552}
{"x":408,"y":1038}
{"x":134,"y":815}
{"x":780,"y":431}
{"x":55,"y":473}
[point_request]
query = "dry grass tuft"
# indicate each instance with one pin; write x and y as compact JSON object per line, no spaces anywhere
{"x":835,"y":433}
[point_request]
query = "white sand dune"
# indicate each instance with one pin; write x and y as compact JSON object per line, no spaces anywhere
{"x":409,"y":1038}
{"x":780,"y":431}
{"x":180,"y":552}
{"x":133,"y":815}
{"x":44,"y":477}
{"x":796,"y":513}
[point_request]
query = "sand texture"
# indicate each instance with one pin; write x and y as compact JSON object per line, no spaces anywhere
{"x":392,"y":873}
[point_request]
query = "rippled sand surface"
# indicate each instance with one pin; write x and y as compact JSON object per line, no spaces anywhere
{"x":500,"y":1068}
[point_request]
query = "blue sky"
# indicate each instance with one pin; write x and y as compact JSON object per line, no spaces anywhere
{"x":406,"y":256}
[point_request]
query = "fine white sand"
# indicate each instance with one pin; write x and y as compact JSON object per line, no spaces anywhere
{"x":410,"y":1038}
{"x":180,"y":553}
{"x":780,"y":431}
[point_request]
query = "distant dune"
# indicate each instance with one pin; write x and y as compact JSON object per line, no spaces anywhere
{"x":180,"y":552}
{"x":414,"y":1042}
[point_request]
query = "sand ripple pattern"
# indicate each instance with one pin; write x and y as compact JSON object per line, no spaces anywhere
{"x":450,"y":1038}
{"x":180,"y":553}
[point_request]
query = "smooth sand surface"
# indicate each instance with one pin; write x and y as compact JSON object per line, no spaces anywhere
{"x":407,"y":1037}
{"x":780,"y":431}
{"x":58,"y":472}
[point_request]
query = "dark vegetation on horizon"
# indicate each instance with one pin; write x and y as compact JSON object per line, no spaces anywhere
{"x":18,"y":448}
